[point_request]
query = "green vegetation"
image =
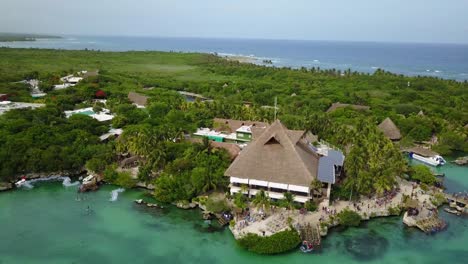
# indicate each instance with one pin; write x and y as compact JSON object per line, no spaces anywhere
{"x":182,"y":170}
{"x":278,"y":243}
{"x":349,"y":218}
{"x":423,"y":174}
{"x":438,"y":199}
{"x":394,"y":210}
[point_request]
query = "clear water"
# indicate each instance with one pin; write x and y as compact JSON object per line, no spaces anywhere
{"x":51,"y":224}
{"x":439,"y":60}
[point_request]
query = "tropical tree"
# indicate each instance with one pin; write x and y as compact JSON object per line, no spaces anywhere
{"x":261,"y":200}
{"x":289,"y":200}
{"x":315,"y":186}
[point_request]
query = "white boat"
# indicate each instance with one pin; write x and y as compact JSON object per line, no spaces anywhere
{"x":435,"y":160}
{"x":20,"y":182}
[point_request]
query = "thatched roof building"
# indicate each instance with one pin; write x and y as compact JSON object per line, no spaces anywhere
{"x":277,"y":156}
{"x":337,"y":105}
{"x":138,"y":99}
{"x":389,"y":129}
{"x":231,"y":126}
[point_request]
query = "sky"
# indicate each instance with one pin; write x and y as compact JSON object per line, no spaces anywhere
{"x":442,"y":21}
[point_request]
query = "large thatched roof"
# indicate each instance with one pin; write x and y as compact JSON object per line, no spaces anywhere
{"x":137,"y":98}
{"x":390,"y":129}
{"x":335,"y":106}
{"x":277,"y":155}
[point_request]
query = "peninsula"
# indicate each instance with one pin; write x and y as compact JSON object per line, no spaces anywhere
{"x":279,"y":154}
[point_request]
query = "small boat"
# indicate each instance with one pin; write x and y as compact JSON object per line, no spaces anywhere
{"x":435,"y":160}
{"x":452,"y":211}
{"x":307,"y":247}
{"x":20,"y":182}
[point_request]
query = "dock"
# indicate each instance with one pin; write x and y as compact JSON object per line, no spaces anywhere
{"x":311,"y":234}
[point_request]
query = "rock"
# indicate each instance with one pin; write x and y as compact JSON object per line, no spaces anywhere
{"x":90,"y":183}
{"x":144,"y":185}
{"x":185,"y":205}
{"x":408,"y":220}
{"x":5,"y":186}
{"x":462,"y":161}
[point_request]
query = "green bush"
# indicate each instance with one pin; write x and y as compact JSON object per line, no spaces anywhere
{"x":125,"y":180}
{"x":423,"y":174}
{"x":216,"y":206}
{"x":349,"y":218}
{"x":310,"y":206}
{"x":438,"y":199}
{"x":394,"y":210}
{"x":280,"y":242}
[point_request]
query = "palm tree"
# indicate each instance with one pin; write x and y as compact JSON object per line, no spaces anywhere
{"x":289,"y":200}
{"x":261,"y":199}
{"x":315,"y":186}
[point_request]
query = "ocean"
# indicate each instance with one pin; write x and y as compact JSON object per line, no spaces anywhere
{"x":448,"y":61}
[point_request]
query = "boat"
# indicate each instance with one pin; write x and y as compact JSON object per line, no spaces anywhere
{"x":20,"y":182}
{"x":307,"y":247}
{"x":452,"y":211}
{"x":435,"y":160}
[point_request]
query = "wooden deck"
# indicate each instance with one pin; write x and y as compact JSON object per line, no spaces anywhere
{"x":311,"y":234}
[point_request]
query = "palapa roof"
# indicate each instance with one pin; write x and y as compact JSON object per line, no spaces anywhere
{"x":231,"y":148}
{"x":137,"y":98}
{"x":389,"y":129}
{"x":230,"y":125}
{"x":337,"y":105}
{"x":277,"y":155}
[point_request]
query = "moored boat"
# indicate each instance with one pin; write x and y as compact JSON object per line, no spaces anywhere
{"x":435,"y":160}
{"x":452,"y":211}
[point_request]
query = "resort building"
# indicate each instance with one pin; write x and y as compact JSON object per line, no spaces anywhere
{"x":281,"y":160}
{"x":232,"y":131}
{"x":102,"y":116}
{"x":137,"y":99}
{"x":70,"y":80}
{"x":8,"y":105}
{"x":390,"y":130}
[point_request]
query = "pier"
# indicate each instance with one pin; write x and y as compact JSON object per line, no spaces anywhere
{"x":311,"y":234}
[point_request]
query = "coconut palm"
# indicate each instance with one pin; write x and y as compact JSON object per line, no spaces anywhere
{"x":315,"y":186}
{"x":289,"y":200}
{"x":261,"y":200}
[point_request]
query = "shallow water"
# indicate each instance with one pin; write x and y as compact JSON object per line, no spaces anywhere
{"x":51,"y":224}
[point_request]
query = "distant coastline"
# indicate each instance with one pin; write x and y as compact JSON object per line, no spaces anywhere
{"x":446,"y":61}
{"x":13,"y":37}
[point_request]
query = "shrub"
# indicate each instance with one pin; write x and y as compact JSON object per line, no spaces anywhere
{"x":310,"y":206}
{"x":349,"y":218}
{"x":394,"y":210}
{"x":423,"y":174}
{"x":125,"y":180}
{"x":280,"y":242}
{"x":438,"y":199}
{"x":216,"y":206}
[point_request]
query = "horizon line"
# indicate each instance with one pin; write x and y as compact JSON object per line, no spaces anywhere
{"x":241,"y":38}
